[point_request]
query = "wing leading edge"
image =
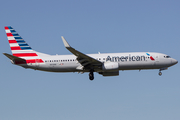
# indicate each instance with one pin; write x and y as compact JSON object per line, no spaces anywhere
{"x":86,"y":61}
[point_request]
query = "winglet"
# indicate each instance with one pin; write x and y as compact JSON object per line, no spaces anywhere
{"x":65,"y":42}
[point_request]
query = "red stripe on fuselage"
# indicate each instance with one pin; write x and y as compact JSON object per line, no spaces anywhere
{"x":12,"y":41}
{"x":25,"y":54}
{"x":30,"y":61}
{"x":15,"y":48}
{"x":35,"y":61}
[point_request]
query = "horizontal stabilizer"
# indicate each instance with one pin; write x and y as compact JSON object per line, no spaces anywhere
{"x":14,"y":58}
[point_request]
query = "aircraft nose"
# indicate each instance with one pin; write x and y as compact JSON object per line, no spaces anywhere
{"x":174,"y":61}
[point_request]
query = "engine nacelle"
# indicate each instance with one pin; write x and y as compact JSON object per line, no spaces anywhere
{"x":110,"y":66}
{"x":110,"y":73}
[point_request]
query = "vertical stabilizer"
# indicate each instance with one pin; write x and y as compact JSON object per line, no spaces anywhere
{"x":19,"y":47}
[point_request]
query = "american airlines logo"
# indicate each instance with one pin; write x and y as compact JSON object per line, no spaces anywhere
{"x":125,"y":58}
{"x":128,"y":58}
{"x":150,"y":56}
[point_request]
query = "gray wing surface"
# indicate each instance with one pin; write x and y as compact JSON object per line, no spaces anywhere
{"x":85,"y":60}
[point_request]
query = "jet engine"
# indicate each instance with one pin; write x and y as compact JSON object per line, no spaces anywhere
{"x":110,"y":66}
{"x":110,"y":69}
{"x":110,"y":73}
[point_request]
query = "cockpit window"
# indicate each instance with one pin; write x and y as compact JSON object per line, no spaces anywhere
{"x":167,"y":56}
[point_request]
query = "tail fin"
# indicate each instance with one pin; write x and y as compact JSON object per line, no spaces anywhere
{"x":16,"y":41}
{"x":19,"y":47}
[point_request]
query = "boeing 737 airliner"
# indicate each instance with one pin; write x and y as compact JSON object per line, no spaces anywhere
{"x":106,"y":64}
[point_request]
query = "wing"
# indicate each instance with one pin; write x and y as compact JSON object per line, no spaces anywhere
{"x":86,"y":61}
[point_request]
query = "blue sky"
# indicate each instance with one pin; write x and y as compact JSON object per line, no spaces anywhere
{"x":91,"y":27}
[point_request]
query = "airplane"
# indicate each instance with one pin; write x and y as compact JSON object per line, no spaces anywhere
{"x":106,"y":64}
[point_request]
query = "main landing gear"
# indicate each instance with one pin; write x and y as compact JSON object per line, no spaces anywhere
{"x":91,"y":75}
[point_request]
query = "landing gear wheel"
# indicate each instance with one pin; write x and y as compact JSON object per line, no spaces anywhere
{"x":91,"y":76}
{"x":160,"y":73}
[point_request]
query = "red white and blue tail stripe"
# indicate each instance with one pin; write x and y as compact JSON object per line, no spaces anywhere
{"x":20,"y":48}
{"x":15,"y":40}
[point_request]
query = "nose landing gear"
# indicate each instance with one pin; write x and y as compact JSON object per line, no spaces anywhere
{"x":160,"y":73}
